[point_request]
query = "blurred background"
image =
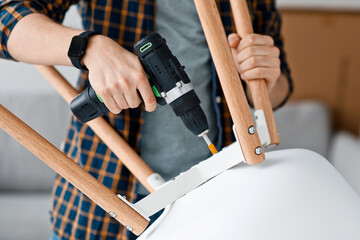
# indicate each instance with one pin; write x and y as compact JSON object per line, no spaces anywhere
{"x":322,"y":44}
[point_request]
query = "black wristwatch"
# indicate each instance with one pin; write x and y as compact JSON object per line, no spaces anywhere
{"x":78,"y":47}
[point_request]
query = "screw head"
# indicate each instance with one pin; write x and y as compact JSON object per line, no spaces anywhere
{"x":251,"y":130}
{"x":129,"y":228}
{"x":112,"y":214}
{"x":258,"y":150}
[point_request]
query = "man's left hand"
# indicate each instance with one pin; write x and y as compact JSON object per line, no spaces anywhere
{"x":256,"y":57}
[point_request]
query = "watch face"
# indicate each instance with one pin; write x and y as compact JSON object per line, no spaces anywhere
{"x":77,"y":47}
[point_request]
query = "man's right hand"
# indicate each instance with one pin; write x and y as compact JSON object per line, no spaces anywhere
{"x":117,"y":75}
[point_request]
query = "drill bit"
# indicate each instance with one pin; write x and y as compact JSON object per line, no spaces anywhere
{"x":210,"y":145}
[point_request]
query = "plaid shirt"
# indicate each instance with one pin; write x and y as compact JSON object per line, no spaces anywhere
{"x":73,"y":215}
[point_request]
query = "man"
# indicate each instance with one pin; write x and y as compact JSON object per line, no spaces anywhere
{"x":29,"y":35}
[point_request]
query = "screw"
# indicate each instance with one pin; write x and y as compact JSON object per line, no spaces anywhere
{"x":112,"y":214}
{"x":258,"y":150}
{"x":129,"y":228}
{"x":251,"y":130}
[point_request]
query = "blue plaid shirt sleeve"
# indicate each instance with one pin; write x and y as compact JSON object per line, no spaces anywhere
{"x":12,"y":11}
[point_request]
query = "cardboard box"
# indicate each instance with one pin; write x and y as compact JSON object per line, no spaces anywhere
{"x":323,"y":50}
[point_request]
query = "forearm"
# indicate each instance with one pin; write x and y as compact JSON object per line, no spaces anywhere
{"x":277,"y":94}
{"x":36,"y":39}
{"x":115,"y":73}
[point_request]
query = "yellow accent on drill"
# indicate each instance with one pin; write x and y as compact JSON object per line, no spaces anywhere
{"x":212,"y":148}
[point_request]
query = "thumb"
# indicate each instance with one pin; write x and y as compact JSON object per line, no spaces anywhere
{"x":233,"y":40}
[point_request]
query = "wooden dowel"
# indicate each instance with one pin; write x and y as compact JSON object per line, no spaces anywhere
{"x":103,"y":130}
{"x":229,"y":79}
{"x":258,"y":88}
{"x":72,"y":172}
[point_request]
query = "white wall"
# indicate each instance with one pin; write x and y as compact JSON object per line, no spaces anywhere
{"x":333,"y":5}
{"x":30,"y":97}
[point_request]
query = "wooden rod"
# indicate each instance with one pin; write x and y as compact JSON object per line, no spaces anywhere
{"x":103,"y":130}
{"x":229,"y":79}
{"x":72,"y":172}
{"x":258,"y":88}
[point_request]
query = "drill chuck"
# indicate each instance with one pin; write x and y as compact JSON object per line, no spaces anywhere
{"x":188,"y":109}
{"x":195,"y":120}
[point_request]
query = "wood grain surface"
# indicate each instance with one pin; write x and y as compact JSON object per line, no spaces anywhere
{"x":72,"y":172}
{"x":229,"y":79}
{"x":103,"y":130}
{"x":258,"y":88}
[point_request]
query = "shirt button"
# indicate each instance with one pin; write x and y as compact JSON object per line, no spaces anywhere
{"x":218,"y":99}
{"x":62,"y":146}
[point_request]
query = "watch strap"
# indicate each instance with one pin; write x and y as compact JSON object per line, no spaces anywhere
{"x":77,"y":61}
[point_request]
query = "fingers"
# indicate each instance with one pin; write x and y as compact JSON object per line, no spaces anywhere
{"x":109,"y":101}
{"x":233,"y":40}
{"x":147,"y":94}
{"x":124,"y":92}
{"x":138,"y":82}
{"x":104,"y":92}
{"x":259,"y":61}
{"x":120,"y":101}
{"x":255,"y":40}
{"x":251,"y":51}
{"x":271,"y":75}
{"x":259,"y":73}
{"x":121,"y":94}
{"x":132,"y":98}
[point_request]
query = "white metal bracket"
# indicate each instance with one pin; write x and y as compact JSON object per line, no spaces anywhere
{"x":262,"y":127}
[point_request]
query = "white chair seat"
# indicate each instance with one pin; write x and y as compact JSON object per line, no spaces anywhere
{"x":293,"y":194}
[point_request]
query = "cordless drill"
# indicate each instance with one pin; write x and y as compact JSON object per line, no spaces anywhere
{"x":169,"y":82}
